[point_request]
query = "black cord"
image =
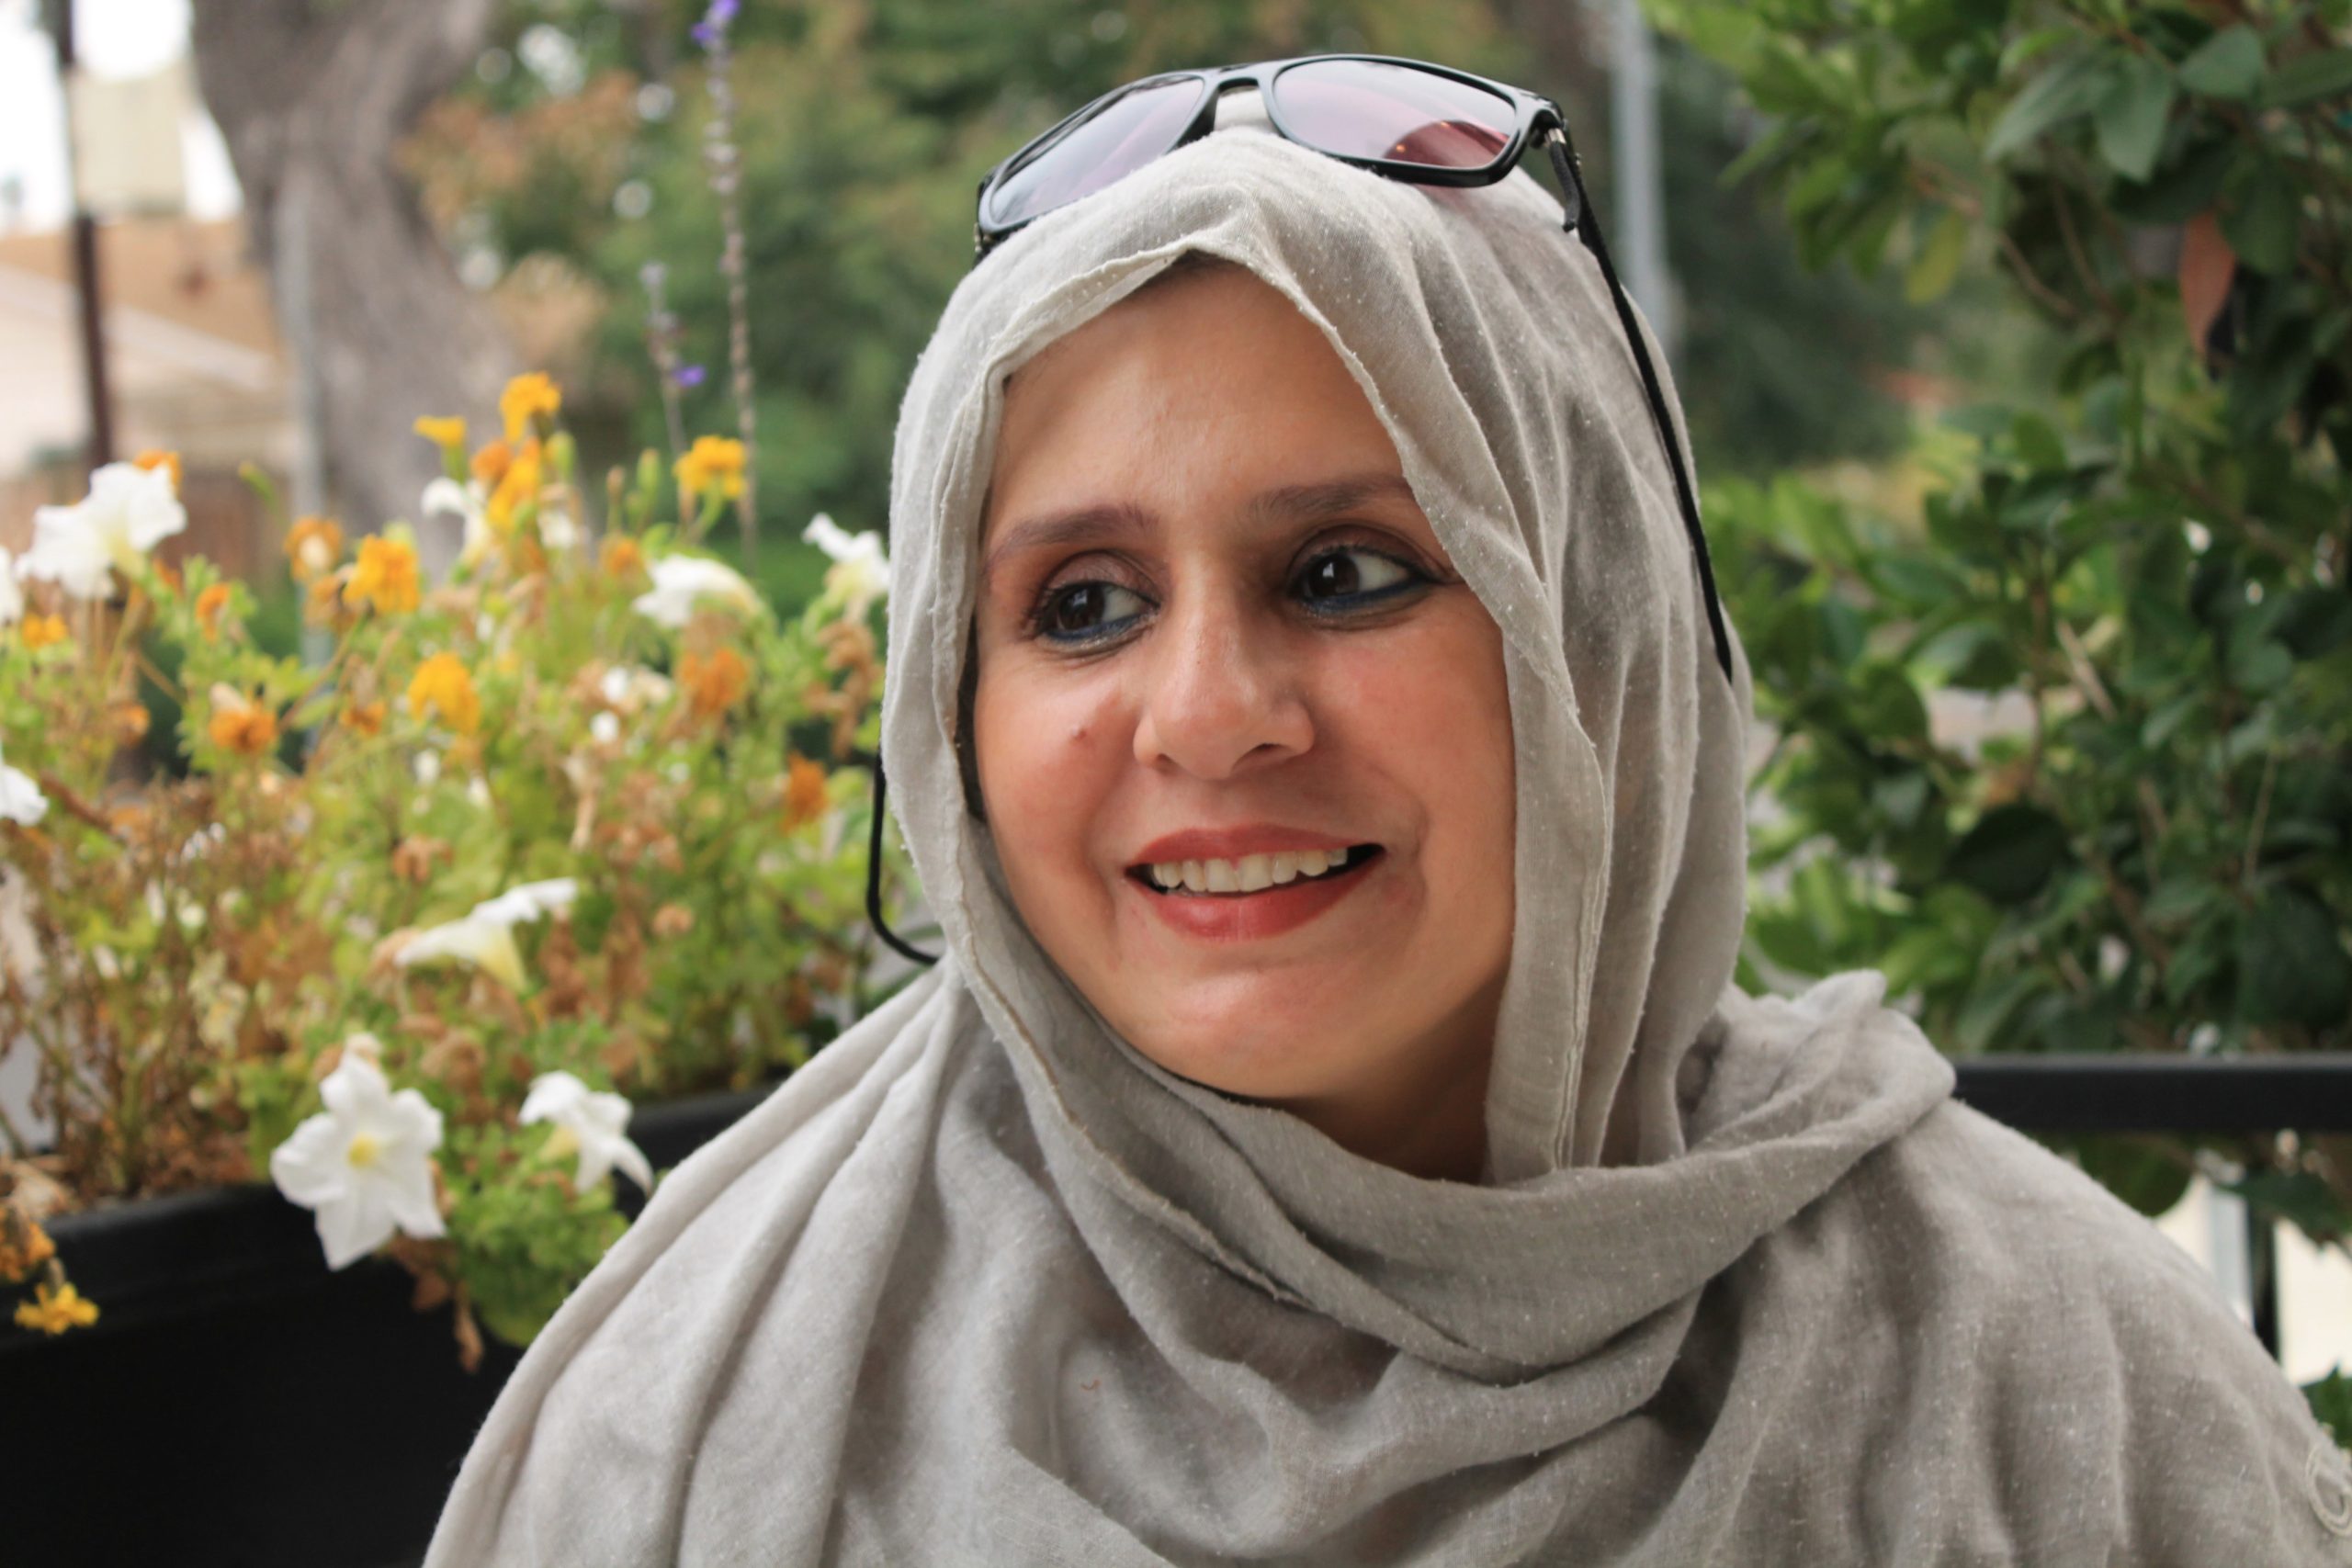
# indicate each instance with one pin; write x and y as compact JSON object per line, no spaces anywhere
{"x":1582,"y":222}
{"x":874,"y":881}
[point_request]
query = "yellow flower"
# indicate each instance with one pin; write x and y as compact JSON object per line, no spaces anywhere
{"x":442,"y":684}
{"x":805,"y":795}
{"x":449,"y":435}
{"x":57,"y":1311}
{"x":167,"y":461}
{"x":313,"y":545}
{"x":489,"y":463}
{"x":518,"y":486}
{"x":713,"y":459}
{"x":528,"y":394}
{"x":385,"y":577}
{"x":39,"y":631}
{"x":239,"y":724}
{"x":715,"y":683}
{"x":24,"y":1247}
{"x":621,"y":557}
{"x":208,"y":605}
{"x":364,"y":718}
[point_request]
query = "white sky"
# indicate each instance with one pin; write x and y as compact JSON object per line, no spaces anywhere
{"x":115,"y":38}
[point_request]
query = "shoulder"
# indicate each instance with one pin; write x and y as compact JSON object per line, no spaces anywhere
{"x":2112,"y":1393}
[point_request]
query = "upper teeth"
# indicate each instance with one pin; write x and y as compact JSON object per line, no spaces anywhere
{"x":1246,"y":874}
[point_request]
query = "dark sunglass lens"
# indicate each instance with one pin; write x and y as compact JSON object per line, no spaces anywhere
{"x":1115,"y":141}
{"x":1361,"y":108}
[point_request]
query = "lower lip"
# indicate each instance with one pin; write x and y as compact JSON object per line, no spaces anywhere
{"x":1252,"y":917}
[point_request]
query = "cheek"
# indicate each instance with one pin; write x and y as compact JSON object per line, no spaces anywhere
{"x":1048,"y":757}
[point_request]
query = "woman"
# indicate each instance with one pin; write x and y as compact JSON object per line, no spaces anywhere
{"x":1438,"y":1203}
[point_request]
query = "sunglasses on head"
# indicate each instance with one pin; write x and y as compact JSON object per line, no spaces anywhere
{"x":1405,"y":118}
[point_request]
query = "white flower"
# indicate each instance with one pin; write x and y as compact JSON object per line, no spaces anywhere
{"x":597,"y":1125}
{"x":21,"y":800}
{"x":680,"y":581}
{"x":605,"y":728}
{"x":445,"y":497}
{"x":557,"y":529}
{"x":363,"y":1164}
{"x":484,"y":936}
{"x":128,"y":511}
{"x":478,"y":792}
{"x":12,"y":598}
{"x":629,"y":687}
{"x":861,"y":573}
{"x":426,"y":766}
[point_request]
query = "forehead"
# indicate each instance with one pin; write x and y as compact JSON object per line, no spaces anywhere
{"x":1204,"y":393}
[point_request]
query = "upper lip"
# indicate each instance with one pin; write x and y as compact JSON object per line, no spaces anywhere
{"x":1232,"y":843}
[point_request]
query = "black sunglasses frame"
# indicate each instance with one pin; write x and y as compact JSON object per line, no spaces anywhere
{"x":1540,"y":120}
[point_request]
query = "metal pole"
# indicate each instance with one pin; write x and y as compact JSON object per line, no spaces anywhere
{"x":1639,"y":219}
{"x":85,"y":254}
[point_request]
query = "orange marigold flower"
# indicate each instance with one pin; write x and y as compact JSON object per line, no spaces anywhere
{"x":239,"y":724}
{"x":446,"y":433}
{"x":39,"y":631}
{"x":24,"y":1247}
{"x":517,"y":486}
{"x":363,"y":718}
{"x":313,"y":545}
{"x":528,"y":394}
{"x":386,"y":576}
{"x":620,"y":556}
{"x":805,"y":795}
{"x":56,"y":1310}
{"x":715,"y":683}
{"x":442,"y":684}
{"x":208,"y":605}
{"x":165,"y":573}
{"x":489,"y":463}
{"x":167,"y":461}
{"x":712,"y":460}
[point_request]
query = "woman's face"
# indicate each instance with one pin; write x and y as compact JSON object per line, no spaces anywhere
{"x":1219,"y":642}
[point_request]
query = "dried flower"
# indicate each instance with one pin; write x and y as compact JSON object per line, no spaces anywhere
{"x":714,"y":684}
{"x":127,"y":512}
{"x":805,"y":798}
{"x":713,"y":461}
{"x":363,"y":718}
{"x":130,"y":720}
{"x":363,"y":1164}
{"x":443,"y":684}
{"x":620,"y":557}
{"x":595,"y":1124}
{"x":56,"y":1309}
{"x":240,"y":725}
{"x":386,"y":576}
{"x":42,"y":631}
{"x":208,"y":605}
{"x":312,"y":546}
{"x":529,"y":394}
{"x":24,"y":1245}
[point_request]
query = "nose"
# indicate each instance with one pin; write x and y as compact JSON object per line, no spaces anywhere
{"x":1225,"y":693}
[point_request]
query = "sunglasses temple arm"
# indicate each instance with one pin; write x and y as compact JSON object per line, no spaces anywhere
{"x":1582,"y":222}
{"x":874,"y":879}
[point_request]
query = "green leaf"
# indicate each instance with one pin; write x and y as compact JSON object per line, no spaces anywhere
{"x":1932,"y":270}
{"x":1980,"y":1019}
{"x":2179,"y":192}
{"x":2227,"y":65}
{"x":2130,"y":117}
{"x":2135,"y":1170}
{"x":2011,"y":854}
{"x":2291,"y":964}
{"x":2065,"y":92}
{"x":2307,"y":77}
{"x":2038,"y":442}
{"x":2298,"y":1197}
{"x":2331,"y":1401}
{"x":2263,"y":224}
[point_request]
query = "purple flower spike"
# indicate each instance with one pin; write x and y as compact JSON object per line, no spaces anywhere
{"x":706,"y":35}
{"x":722,"y":12}
{"x":688,"y":375}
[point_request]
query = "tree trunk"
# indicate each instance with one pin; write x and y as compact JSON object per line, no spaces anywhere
{"x":312,"y":99}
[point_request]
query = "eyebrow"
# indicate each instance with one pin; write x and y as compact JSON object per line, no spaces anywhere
{"x":1284,"y":503}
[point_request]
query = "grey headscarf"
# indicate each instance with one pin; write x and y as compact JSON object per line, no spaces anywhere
{"x":982,"y":1284}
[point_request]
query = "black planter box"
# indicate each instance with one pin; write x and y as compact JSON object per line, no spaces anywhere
{"x":236,"y":1403}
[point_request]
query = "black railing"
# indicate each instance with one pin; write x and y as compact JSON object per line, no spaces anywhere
{"x":2167,"y":1094}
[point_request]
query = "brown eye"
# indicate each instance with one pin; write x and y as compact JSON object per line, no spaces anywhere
{"x":1082,"y":612}
{"x":1341,"y":575}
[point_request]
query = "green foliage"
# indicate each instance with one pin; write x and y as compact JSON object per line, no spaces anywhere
{"x":2143,"y":563}
{"x":2330,"y":1402}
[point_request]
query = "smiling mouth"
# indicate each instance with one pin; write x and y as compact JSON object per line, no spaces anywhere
{"x":1252,"y":875}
